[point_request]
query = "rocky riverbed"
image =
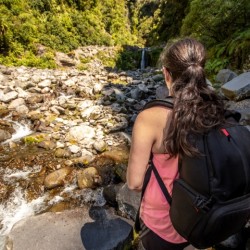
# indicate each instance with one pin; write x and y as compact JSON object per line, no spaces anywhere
{"x":73,"y":148}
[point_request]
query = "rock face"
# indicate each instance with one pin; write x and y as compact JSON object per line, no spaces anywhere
{"x":78,"y":229}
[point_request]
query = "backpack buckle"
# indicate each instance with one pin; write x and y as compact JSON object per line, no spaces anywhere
{"x":203,"y":204}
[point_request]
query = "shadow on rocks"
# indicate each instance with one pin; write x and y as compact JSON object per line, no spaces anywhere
{"x":106,"y":232}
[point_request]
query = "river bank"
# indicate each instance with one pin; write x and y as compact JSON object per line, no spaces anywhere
{"x":75,"y":137}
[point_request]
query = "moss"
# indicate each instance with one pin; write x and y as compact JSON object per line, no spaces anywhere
{"x":32,"y":139}
{"x":82,"y":67}
{"x":85,"y":60}
{"x":118,"y":81}
{"x":108,"y":59}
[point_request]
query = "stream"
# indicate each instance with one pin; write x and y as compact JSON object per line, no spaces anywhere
{"x":24,"y":195}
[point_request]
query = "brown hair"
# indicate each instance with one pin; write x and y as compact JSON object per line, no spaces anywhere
{"x":197,"y":108}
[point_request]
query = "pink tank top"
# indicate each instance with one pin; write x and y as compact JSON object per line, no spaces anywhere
{"x":154,"y":207}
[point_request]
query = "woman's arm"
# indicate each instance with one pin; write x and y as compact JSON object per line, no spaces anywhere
{"x":143,"y":137}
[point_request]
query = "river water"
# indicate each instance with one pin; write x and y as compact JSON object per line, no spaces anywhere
{"x":18,"y":205}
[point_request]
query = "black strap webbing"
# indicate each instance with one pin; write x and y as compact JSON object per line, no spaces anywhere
{"x":167,"y":195}
{"x":168,"y":103}
{"x":161,"y":184}
{"x":145,"y":183}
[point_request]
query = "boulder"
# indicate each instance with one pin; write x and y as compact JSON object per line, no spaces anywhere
{"x":162,"y":92}
{"x":57,"y":178}
{"x":81,"y":132}
{"x":4,"y":135}
{"x":128,"y":201}
{"x":78,"y":229}
{"x":88,"y":178}
{"x":225,"y":75}
{"x":238,"y":88}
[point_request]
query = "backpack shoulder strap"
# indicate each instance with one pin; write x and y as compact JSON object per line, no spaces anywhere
{"x":161,"y":184}
{"x":232,"y":114}
{"x":164,"y":190}
{"x":147,"y":177}
{"x":168,"y":103}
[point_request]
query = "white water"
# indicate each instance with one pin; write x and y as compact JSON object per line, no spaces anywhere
{"x":143,"y":59}
{"x":18,"y":208}
{"x":11,"y":175}
{"x":21,"y":131}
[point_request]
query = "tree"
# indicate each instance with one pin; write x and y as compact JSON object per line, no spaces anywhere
{"x":213,"y":21}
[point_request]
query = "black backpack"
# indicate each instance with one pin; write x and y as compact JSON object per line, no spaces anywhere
{"x":211,"y":199}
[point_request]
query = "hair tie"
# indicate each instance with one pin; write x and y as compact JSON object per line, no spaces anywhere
{"x":195,"y":65}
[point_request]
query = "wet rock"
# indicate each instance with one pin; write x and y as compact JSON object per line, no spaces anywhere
{"x":47,"y":144}
{"x":158,"y":77}
{"x":118,"y":156}
{"x":62,"y":153}
{"x":57,"y":178}
{"x":88,"y":178}
{"x":136,"y":93}
{"x":110,"y":194}
{"x":85,"y":159}
{"x":120,"y":170}
{"x":3,"y":191}
{"x":4,"y":111}
{"x":4,"y":135}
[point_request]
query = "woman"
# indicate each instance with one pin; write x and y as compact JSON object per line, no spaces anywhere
{"x":165,"y":134}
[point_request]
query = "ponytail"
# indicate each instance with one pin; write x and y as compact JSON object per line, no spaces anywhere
{"x":197,"y":108}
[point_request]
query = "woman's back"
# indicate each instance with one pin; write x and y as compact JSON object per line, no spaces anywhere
{"x":166,"y":134}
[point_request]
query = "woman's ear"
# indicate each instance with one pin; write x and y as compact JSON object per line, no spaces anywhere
{"x":167,"y":77}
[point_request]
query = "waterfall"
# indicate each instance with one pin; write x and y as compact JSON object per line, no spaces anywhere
{"x":143,"y":59}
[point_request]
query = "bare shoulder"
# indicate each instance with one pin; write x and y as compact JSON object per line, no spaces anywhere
{"x":154,"y":115}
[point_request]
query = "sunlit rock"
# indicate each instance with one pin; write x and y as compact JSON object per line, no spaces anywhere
{"x":88,"y":178}
{"x":57,"y":178}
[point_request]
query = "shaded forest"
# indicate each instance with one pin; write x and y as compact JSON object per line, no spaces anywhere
{"x":64,"y":25}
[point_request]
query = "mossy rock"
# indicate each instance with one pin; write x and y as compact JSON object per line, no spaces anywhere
{"x":33,"y":139}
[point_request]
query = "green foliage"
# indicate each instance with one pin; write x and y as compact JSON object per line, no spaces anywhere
{"x":214,"y":20}
{"x":41,"y":5}
{"x":215,"y":65}
{"x":63,"y":25}
{"x":128,"y":59}
{"x":223,"y":26}
{"x":108,"y":60}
